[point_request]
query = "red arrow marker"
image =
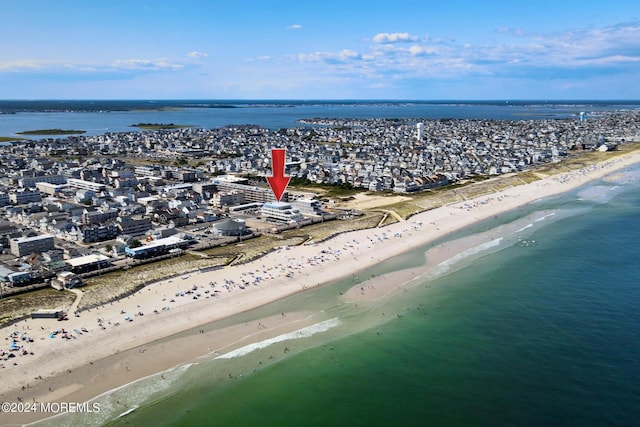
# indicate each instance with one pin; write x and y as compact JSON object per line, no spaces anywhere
{"x":278,"y":181}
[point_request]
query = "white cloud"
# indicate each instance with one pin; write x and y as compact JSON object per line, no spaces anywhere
{"x":311,"y":57}
{"x":570,"y":54}
{"x":66,"y":67}
{"x":416,"y":50}
{"x":347,"y":54}
{"x":294,"y":27}
{"x":146,"y":64}
{"x":394,"y":38}
{"x":196,"y":54}
{"x":562,"y":48}
{"x":387,"y":58}
{"x":21,"y":65}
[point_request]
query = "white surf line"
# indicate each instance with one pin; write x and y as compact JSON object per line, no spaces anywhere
{"x":300,"y":333}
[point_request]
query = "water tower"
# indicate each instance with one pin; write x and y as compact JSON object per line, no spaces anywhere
{"x":419,"y":128}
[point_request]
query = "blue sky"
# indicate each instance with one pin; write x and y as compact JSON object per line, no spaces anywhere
{"x":348,"y":49}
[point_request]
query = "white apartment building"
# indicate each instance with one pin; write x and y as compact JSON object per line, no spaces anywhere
{"x":309,"y":207}
{"x":281,"y":211}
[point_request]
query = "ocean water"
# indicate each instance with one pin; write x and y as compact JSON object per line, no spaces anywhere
{"x":541,"y":328}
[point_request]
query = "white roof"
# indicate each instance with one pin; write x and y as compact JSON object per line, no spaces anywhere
{"x":87,"y":259}
{"x":229,"y":178}
{"x":32,"y":238}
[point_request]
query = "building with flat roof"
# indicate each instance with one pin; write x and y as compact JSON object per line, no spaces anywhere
{"x":99,"y":232}
{"x":281,"y":211}
{"x":50,"y":188}
{"x":158,"y":247}
{"x":232,"y":179}
{"x":31,"y":181}
{"x":22,"y":197}
{"x":81,"y":184}
{"x":252,"y":193}
{"x":310,"y":207}
{"x":222,"y":199}
{"x":205,"y":189}
{"x":99,"y":216}
{"x":22,"y":246}
{"x":19,"y":278}
{"x":133,"y":226}
{"x":247,"y":208}
{"x":88,"y":262}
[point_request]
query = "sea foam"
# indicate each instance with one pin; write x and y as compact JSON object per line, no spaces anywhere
{"x":120,"y":401}
{"x":469,"y":252}
{"x":524,"y":228}
{"x":300,"y":333}
{"x":542,"y":218}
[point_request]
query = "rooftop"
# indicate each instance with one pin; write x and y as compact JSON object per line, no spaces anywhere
{"x":278,"y":205}
{"x":87,"y":259}
{"x":33,"y":238}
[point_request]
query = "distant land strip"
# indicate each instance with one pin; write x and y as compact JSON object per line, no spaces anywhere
{"x":51,"y":132}
{"x":9,"y":138}
{"x":159,"y":126}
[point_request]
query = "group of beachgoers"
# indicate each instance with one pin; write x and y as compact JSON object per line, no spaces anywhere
{"x":17,"y":347}
{"x":21,"y":342}
{"x":468,"y":205}
{"x":242,"y":277}
{"x":585,"y":171}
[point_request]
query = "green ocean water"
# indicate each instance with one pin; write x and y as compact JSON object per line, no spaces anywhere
{"x":542,"y":329}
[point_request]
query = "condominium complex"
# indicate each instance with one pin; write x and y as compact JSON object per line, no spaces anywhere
{"x":281,"y":211}
{"x":22,"y":246}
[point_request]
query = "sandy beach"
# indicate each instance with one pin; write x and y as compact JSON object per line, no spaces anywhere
{"x":106,"y":347}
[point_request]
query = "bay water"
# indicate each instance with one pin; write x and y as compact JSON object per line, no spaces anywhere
{"x":99,"y":117}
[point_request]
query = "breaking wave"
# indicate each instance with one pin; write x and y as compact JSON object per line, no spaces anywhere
{"x":300,"y":333}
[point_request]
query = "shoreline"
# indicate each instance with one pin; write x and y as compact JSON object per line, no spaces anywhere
{"x":231,"y":291}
